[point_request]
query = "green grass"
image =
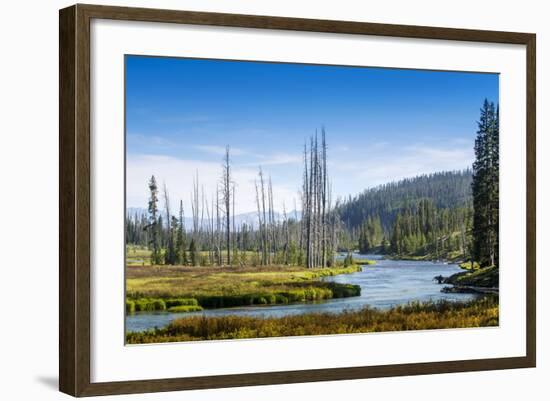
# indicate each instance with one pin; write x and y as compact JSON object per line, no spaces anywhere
{"x":159,"y":304}
{"x":181,"y":302}
{"x":219,"y":287}
{"x":415,"y":316}
{"x":468,"y":265}
{"x":357,"y":261}
{"x":185,"y":308}
{"x":485,"y":277}
{"x":454,"y":256}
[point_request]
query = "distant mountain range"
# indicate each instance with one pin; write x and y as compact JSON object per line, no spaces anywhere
{"x":251,"y":218}
{"x":446,"y":189}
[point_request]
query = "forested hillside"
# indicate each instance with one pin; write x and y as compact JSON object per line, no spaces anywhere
{"x":428,"y":216}
{"x":445,"y":189}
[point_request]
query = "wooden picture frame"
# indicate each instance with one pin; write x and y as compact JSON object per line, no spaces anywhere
{"x":74,"y":199}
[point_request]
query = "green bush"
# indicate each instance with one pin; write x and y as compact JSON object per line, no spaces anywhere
{"x":130,"y":306}
{"x":344,"y":290}
{"x":180,"y":302}
{"x":185,"y":308}
{"x":149,"y":305}
{"x":142,"y":305}
{"x":281,"y":299}
{"x":296,"y":296}
{"x":159,"y":304}
{"x":271,"y":299}
{"x":468,"y":266}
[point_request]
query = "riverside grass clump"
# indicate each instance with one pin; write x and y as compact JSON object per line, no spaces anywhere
{"x":482,"y":277}
{"x":360,"y":261}
{"x":157,"y":304}
{"x":414,"y":316}
{"x":222,"y":287}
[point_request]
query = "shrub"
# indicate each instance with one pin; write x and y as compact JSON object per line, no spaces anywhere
{"x":348,"y":260}
{"x":185,"y":308}
{"x":180,"y":302}
{"x":142,"y":305}
{"x":296,"y":296}
{"x":159,"y":304}
{"x":281,"y":299}
{"x":149,"y":305}
{"x":130,"y":306}
{"x":468,"y":266}
{"x":271,"y":299}
{"x":344,"y":290}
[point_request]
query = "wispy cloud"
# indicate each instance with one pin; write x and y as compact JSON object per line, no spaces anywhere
{"x":382,"y":166}
{"x":350,"y":172}
{"x":149,"y":140}
{"x":178,"y":175}
{"x":219,"y":150}
{"x":280,"y":158}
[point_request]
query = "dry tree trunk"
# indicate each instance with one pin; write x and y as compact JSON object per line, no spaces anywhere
{"x":226,"y":194}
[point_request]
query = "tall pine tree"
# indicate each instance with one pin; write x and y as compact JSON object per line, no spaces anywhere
{"x":181,"y":252}
{"x":485,"y":187}
{"x":154,"y":225}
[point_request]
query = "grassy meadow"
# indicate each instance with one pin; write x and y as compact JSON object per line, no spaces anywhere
{"x":185,"y":288}
{"x":414,"y":316}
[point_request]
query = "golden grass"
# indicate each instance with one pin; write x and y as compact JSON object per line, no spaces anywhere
{"x":216,"y":287}
{"x":178,"y":281}
{"x":415,"y":316}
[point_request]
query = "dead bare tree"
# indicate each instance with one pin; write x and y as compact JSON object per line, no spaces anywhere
{"x":233,"y":229}
{"x":195,"y":207}
{"x":169,"y":255}
{"x":226,"y":197}
{"x":272,"y":223}
{"x":209,"y":230}
{"x":264,"y":219}
{"x":260,"y":222}
{"x":213,"y":230}
{"x":315,"y":203}
{"x":218,"y":228}
{"x":323,"y":198}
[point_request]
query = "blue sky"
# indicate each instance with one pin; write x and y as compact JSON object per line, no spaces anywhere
{"x":381,"y":124}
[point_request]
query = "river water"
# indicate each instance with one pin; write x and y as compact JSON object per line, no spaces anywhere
{"x":383,"y":285}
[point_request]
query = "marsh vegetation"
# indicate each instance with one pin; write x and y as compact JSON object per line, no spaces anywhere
{"x":222,"y":287}
{"x":413,"y":316}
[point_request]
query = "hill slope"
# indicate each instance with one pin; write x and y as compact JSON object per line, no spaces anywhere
{"x":447,"y":189}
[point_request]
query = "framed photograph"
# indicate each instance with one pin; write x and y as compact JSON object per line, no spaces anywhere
{"x":250,"y":200}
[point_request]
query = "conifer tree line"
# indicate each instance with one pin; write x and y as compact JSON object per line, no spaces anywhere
{"x":425,"y":229}
{"x":446,"y":189}
{"x":410,"y":218}
{"x":214,"y":237}
{"x":443,"y":215}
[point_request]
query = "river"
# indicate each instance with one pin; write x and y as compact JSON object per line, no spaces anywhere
{"x":383,"y":285}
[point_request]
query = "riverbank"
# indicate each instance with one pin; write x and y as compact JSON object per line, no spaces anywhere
{"x":450,"y":257}
{"x":183,"y":288}
{"x":482,"y":280}
{"x":414,"y":316}
{"x":473,"y":280}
